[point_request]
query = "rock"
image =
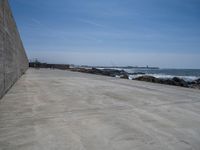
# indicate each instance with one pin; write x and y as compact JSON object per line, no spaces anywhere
{"x":180,"y":82}
{"x":81,"y":70}
{"x":175,"y":81}
{"x":195,"y":84}
{"x":107,"y":72}
{"x":124,"y":76}
{"x":136,"y":73}
{"x":147,"y":78}
{"x":197,"y":81}
{"x":113,"y":72}
{"x":167,"y":81}
{"x":96,"y":71}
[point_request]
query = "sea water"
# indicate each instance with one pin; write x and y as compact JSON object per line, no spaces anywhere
{"x":186,"y":74}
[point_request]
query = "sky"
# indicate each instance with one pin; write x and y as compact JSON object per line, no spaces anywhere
{"x":162,"y":33}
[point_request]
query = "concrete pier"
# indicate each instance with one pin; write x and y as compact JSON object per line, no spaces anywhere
{"x":61,"y":110}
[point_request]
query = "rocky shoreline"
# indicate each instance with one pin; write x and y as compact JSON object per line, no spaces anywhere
{"x":121,"y":74}
{"x":125,"y":75}
{"x":174,"y":81}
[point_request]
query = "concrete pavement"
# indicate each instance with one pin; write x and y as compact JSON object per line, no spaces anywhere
{"x":61,"y":110}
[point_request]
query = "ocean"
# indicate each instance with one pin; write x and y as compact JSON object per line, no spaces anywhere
{"x":186,"y":74}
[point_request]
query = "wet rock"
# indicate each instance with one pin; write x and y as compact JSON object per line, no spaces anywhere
{"x":148,"y":79}
{"x":197,"y":81}
{"x":195,"y":84}
{"x":113,"y":72}
{"x":106,"y":72}
{"x":137,"y":73}
{"x":179,"y":82}
{"x":124,"y":76}
{"x":175,"y":81}
{"x":96,"y":71}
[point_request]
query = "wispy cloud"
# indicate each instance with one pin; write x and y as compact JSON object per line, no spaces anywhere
{"x":35,"y":21}
{"x":90,"y":22}
{"x":111,"y":26}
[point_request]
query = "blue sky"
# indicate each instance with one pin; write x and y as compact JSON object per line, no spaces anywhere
{"x":164,"y":33}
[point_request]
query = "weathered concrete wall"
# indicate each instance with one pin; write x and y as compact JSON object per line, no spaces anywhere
{"x":13,"y":59}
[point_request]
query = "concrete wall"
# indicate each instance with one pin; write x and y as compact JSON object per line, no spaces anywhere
{"x":13,"y":59}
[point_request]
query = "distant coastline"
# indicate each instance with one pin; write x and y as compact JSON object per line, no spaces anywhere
{"x":177,"y":77}
{"x":121,"y":67}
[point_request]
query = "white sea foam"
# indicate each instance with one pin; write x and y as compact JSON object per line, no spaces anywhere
{"x":111,"y":68}
{"x":156,"y":75}
{"x":162,"y":76}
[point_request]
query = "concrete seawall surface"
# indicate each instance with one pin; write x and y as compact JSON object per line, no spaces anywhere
{"x":61,"y":110}
{"x":13,"y":59}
